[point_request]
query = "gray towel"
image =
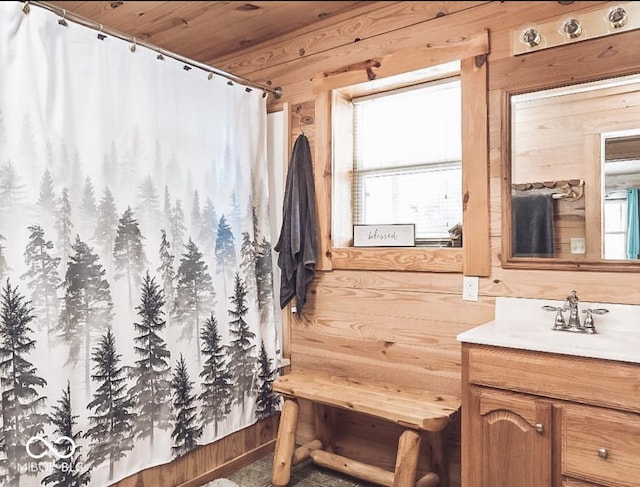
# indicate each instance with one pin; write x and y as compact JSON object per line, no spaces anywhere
{"x":298,"y":242}
{"x":532,"y":225}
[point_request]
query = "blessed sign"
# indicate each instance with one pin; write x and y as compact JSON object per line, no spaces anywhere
{"x":395,"y":235}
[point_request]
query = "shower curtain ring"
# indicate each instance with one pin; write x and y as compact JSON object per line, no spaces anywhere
{"x":101,"y":36}
{"x":63,"y":20}
{"x":27,"y":8}
{"x":133,"y":46}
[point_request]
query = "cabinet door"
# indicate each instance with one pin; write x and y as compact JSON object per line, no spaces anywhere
{"x":510,"y":440}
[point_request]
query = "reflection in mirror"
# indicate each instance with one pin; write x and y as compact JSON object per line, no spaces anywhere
{"x":575,"y":172}
{"x":621,"y":171}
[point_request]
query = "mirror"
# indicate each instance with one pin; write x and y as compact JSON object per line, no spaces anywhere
{"x":621,"y":170}
{"x":574,"y":174}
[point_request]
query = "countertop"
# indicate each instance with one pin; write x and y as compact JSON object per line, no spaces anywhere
{"x":522,"y":324}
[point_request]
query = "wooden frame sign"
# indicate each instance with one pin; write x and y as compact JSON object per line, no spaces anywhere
{"x":394,"y":235}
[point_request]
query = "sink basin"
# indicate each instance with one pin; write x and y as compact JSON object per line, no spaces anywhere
{"x":521,"y":323}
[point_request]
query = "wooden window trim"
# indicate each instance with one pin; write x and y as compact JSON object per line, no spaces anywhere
{"x":474,"y":257}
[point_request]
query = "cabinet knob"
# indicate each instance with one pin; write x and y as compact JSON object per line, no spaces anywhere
{"x":603,"y":453}
{"x":539,"y":427}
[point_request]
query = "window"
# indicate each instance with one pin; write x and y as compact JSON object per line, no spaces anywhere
{"x":615,"y":228}
{"x":407,"y":161}
{"x":397,"y":155}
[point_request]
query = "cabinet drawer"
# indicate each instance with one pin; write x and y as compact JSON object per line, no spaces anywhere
{"x":580,"y":379}
{"x":601,"y":445}
{"x":577,"y":483}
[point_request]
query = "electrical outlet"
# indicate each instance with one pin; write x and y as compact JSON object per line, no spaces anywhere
{"x":470,"y":288}
{"x":578,"y":246}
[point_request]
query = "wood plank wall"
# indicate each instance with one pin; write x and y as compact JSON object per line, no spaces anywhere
{"x":395,"y":326}
{"x":217,"y":459}
{"x":401,"y":327}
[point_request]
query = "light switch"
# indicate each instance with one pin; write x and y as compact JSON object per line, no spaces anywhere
{"x":470,"y":288}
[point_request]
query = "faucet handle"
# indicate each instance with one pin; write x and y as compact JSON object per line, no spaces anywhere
{"x":559,"y":322}
{"x":546,"y":307}
{"x":589,"y":326}
{"x":595,"y":311}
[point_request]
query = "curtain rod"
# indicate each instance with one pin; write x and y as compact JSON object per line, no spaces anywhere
{"x":68,"y":16}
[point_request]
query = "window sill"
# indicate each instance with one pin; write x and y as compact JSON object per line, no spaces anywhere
{"x":417,"y":259}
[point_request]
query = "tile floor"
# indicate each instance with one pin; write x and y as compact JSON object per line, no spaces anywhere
{"x":306,"y":474}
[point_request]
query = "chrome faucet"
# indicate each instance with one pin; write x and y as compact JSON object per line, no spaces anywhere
{"x":573,"y":324}
{"x":571,"y":305}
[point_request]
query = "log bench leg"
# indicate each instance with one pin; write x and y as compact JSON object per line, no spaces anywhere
{"x":407,"y":459}
{"x":324,"y":426}
{"x":440,"y":459}
{"x":285,"y":443}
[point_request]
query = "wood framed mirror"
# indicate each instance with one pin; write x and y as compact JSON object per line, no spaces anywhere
{"x":571,"y":157}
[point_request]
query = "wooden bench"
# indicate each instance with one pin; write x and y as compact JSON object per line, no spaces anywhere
{"x":414,"y":409}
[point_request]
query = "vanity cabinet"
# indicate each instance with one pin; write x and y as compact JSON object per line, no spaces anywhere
{"x":510,"y":439}
{"x":538,"y":419}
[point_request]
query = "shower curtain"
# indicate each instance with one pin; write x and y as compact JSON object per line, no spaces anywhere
{"x":137,"y":319}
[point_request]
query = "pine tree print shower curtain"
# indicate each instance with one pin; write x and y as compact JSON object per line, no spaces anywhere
{"x":137,"y":319}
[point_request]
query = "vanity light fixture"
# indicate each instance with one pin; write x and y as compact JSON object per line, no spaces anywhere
{"x":600,"y":22}
{"x":572,"y":28}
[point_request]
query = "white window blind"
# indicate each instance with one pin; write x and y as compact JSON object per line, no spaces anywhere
{"x":615,"y":225}
{"x":407,"y":158}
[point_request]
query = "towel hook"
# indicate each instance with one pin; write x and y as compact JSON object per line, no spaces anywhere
{"x":306,"y":120}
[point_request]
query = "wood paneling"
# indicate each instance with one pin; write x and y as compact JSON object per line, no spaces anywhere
{"x":204,"y":31}
{"x":412,"y":259}
{"x":278,"y":64}
{"x":475,"y":180}
{"x":365,"y":23}
{"x":208,"y":462}
{"x":322,"y":170}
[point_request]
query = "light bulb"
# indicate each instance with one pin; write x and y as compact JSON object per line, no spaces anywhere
{"x":617,"y":17}
{"x":531,"y":37}
{"x":572,"y":28}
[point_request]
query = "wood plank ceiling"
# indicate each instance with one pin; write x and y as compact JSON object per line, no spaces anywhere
{"x":205,"y":31}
